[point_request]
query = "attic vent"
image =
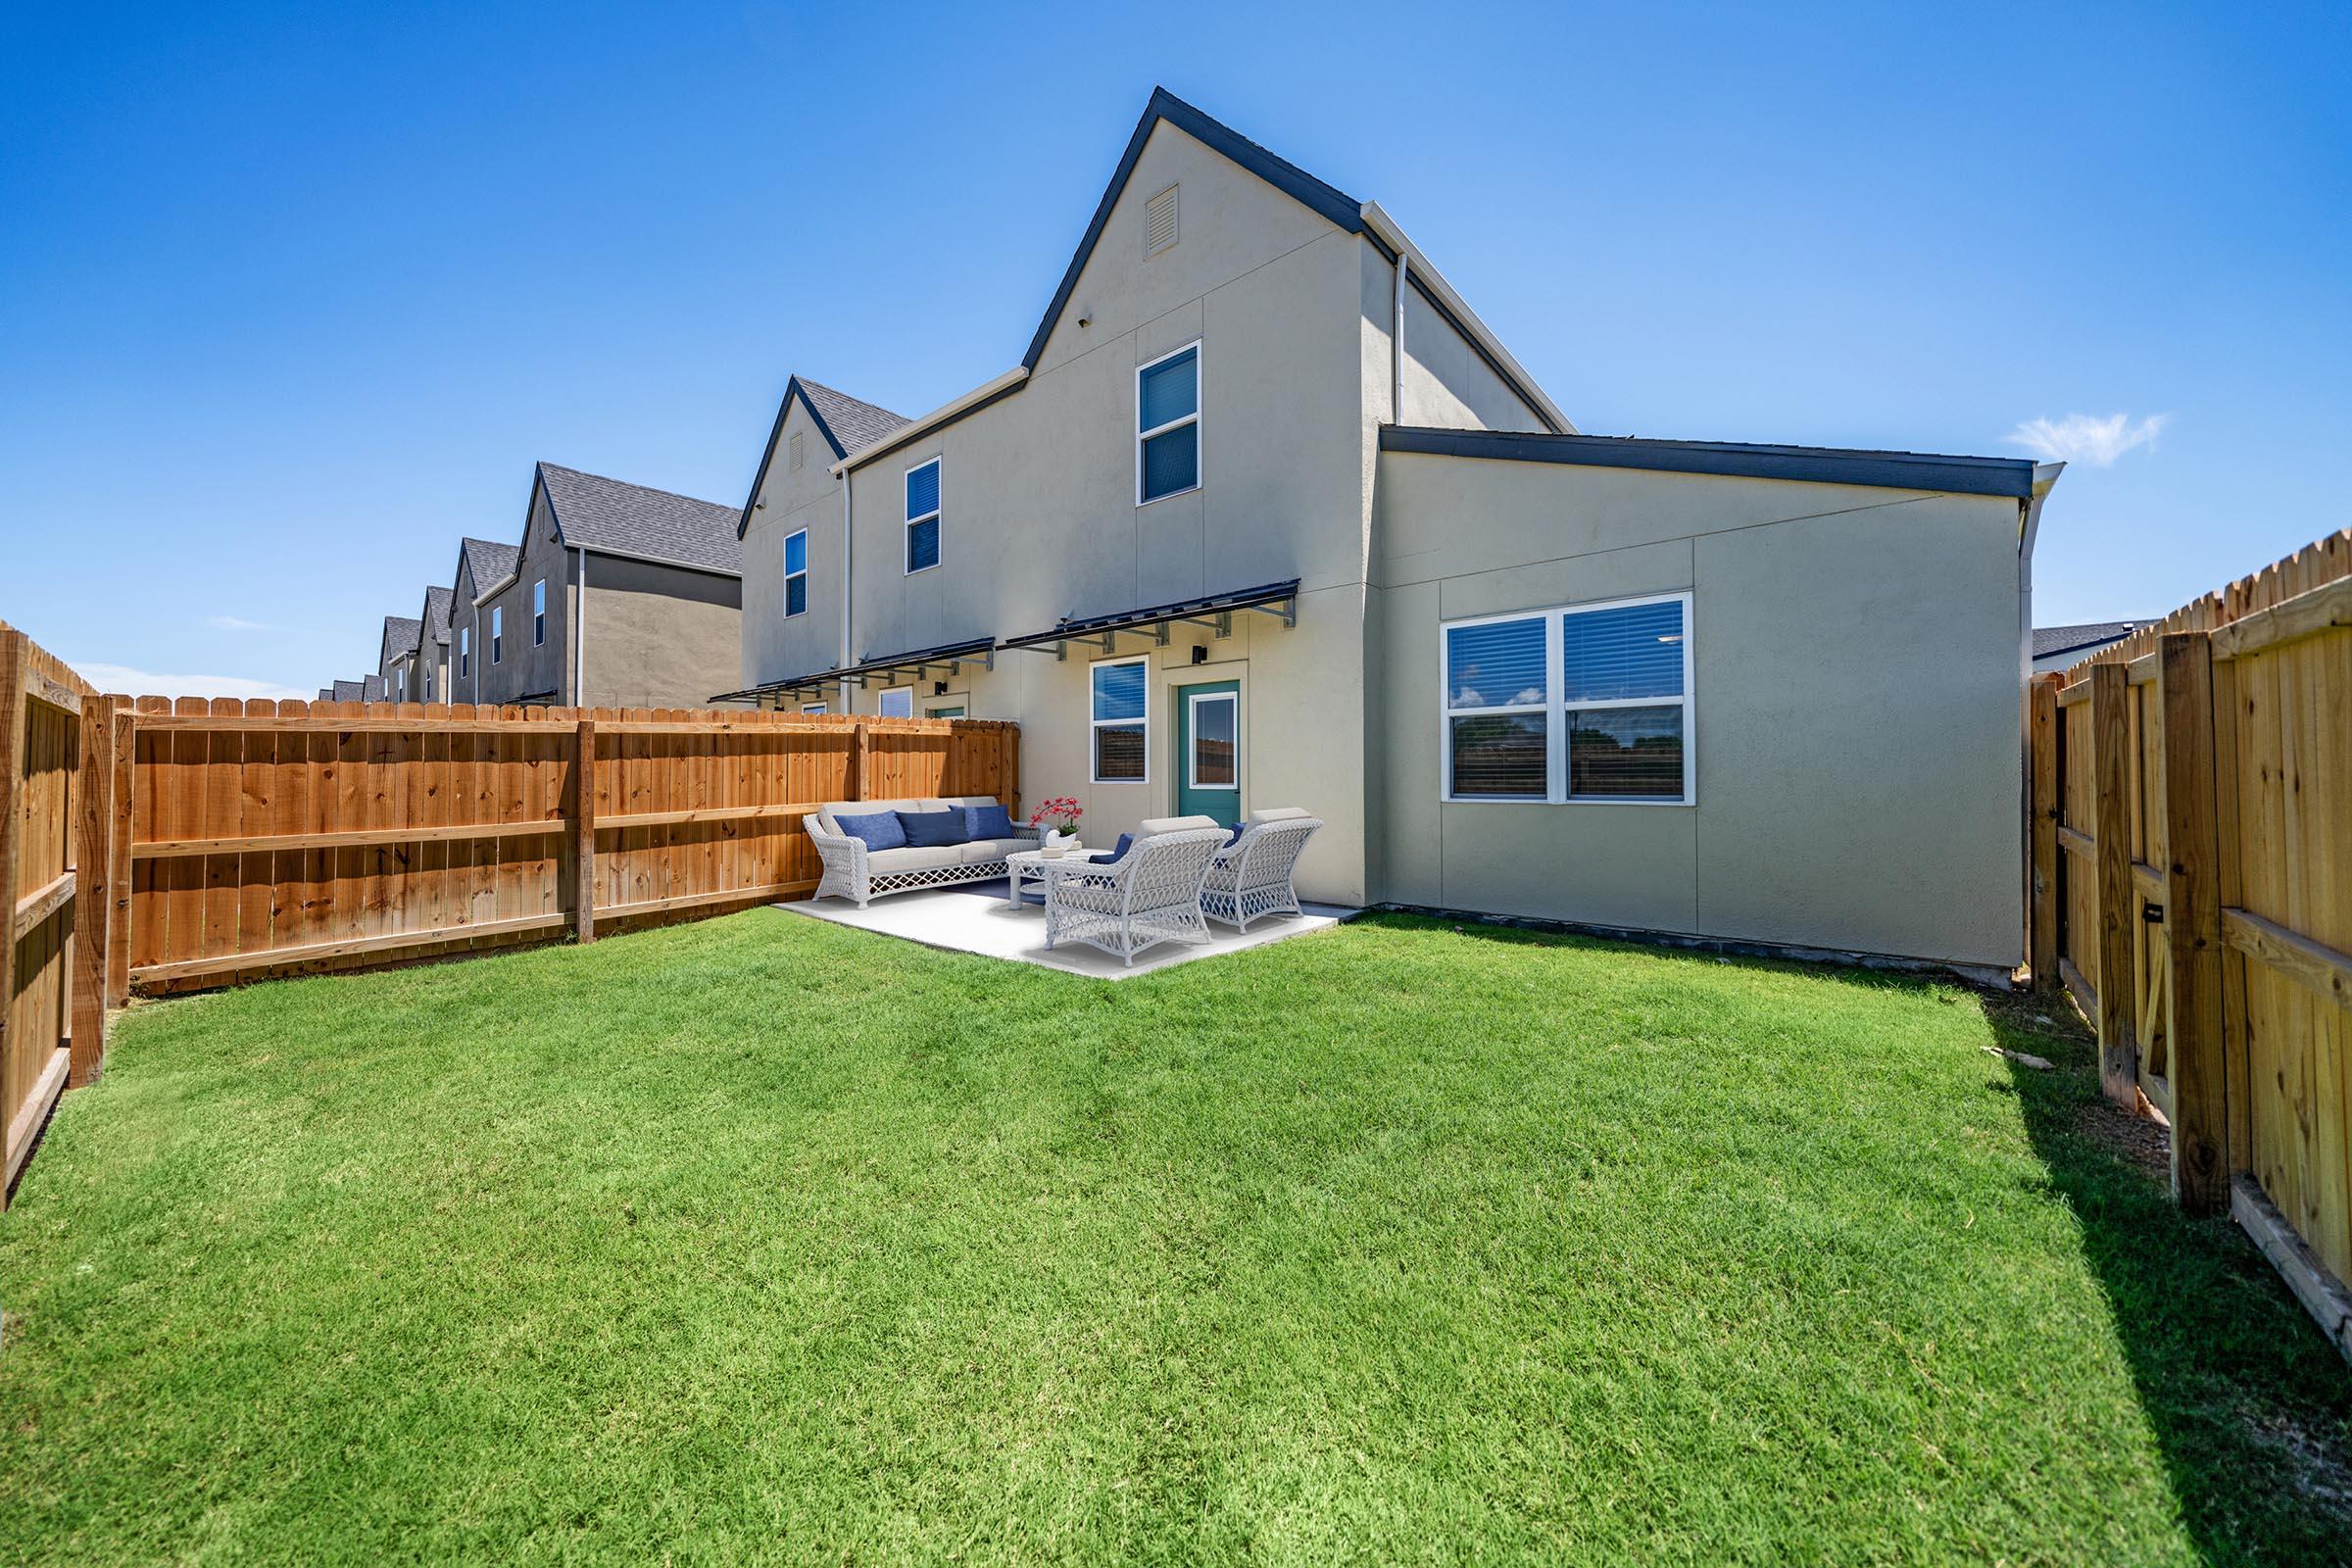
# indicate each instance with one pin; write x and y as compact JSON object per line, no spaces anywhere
{"x":1159,"y":221}
{"x":794,"y":467}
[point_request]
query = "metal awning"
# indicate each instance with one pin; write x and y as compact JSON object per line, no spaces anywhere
{"x":916,"y":663}
{"x":1216,"y":613}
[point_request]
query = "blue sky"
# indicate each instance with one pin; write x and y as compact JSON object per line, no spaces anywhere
{"x":291,"y":298}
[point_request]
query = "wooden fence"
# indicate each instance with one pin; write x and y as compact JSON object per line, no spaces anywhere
{"x":277,"y":838}
{"x":2193,"y":887}
{"x":55,"y":779}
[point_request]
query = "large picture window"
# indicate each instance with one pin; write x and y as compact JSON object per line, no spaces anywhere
{"x":1590,"y":702}
{"x":796,"y":572}
{"x":1167,"y":423}
{"x":922,"y":517}
{"x":1121,"y":691}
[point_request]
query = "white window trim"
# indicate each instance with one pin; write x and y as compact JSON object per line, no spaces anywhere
{"x":882,"y":708}
{"x":1093,"y":755}
{"x":801,"y":534}
{"x":498,"y":633}
{"x":1555,"y":709}
{"x":464,"y":652}
{"x":906,"y":538}
{"x":1195,"y":418}
{"x":400,"y":684}
{"x":812,"y":707}
{"x":1192,"y":758}
{"x":539,"y":613}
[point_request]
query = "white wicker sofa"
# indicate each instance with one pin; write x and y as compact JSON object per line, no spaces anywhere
{"x":854,"y":871}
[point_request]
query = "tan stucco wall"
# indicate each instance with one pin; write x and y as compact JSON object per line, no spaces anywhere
{"x":659,"y":636}
{"x":774,"y":646}
{"x":1856,"y":723}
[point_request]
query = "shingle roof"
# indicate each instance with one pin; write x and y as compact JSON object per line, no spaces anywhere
{"x":489,"y":561}
{"x":326,"y":693}
{"x":2048,"y":640}
{"x":854,"y":425}
{"x":372,"y":688}
{"x":632,"y":519}
{"x":436,"y":612}
{"x":400,"y":635}
{"x":348,"y":691}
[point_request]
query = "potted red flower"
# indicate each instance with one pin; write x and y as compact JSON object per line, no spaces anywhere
{"x":1058,"y":818}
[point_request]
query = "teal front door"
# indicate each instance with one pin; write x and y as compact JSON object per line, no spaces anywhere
{"x":1208,"y":750}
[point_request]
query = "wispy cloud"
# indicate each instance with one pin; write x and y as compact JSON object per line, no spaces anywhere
{"x":2086,"y":438}
{"x":235,"y":623}
{"x":147,"y":683}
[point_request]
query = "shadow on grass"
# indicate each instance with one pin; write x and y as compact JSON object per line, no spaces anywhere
{"x":2250,"y":1405}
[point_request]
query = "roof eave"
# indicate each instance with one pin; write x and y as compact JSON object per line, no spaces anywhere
{"x":1449,"y":303}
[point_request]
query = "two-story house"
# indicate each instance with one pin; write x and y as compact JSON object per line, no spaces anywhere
{"x":429,"y":683}
{"x":1266,"y":515}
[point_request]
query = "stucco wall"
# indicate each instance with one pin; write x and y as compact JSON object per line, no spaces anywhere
{"x":1856,"y":696}
{"x":659,"y":636}
{"x":774,"y":646}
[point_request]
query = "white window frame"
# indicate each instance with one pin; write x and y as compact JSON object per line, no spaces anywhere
{"x":1192,"y":727}
{"x":812,"y":707}
{"x":464,"y":652}
{"x":801,"y":534}
{"x":400,"y":684}
{"x":498,"y":633}
{"x":1093,"y":755}
{"x":938,"y":534}
{"x":882,"y":704}
{"x":1556,"y":709}
{"x":1197,"y":417}
{"x":539,"y":613}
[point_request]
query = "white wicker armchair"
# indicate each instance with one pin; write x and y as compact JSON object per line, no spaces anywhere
{"x":1251,"y":877}
{"x":1150,"y":895}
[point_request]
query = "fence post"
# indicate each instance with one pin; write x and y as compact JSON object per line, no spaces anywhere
{"x":123,"y":749}
{"x":12,"y":741}
{"x":2192,"y":924}
{"x":583,"y":832}
{"x":2044,"y":919}
{"x":855,"y":786}
{"x":2118,"y":907}
{"x":93,"y":887}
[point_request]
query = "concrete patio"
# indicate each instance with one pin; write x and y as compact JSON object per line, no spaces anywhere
{"x":979,"y":918}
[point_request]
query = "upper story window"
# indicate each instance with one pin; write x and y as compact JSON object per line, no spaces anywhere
{"x":813,"y":708}
{"x":429,"y":682}
{"x":922,"y":517}
{"x":1585,"y":703}
{"x":796,"y":571}
{"x":539,"y":612}
{"x":400,"y":684}
{"x":896,"y":702}
{"x":465,"y":651}
{"x":1167,"y":423}
{"x":794,"y":447}
{"x":498,"y":632}
{"x":1121,"y":691}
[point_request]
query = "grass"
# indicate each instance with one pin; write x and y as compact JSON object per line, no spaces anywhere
{"x":764,"y":1239}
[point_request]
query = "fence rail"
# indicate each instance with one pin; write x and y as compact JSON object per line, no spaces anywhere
{"x":2193,"y":889}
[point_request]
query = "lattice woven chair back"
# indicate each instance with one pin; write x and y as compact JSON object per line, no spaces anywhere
{"x":1151,"y":896}
{"x":1254,"y":877}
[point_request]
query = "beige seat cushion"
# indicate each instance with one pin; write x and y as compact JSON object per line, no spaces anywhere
{"x":1277,"y":813}
{"x":1173,"y":824}
{"x":979,"y":850}
{"x":884,"y":862}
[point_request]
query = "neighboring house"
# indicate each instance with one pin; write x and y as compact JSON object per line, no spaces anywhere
{"x":348,"y":691}
{"x":396,"y":659}
{"x":372,"y":689}
{"x":431,"y":682}
{"x":620,"y":596}
{"x":326,"y":693}
{"x":1267,"y":516}
{"x":2057,"y":646}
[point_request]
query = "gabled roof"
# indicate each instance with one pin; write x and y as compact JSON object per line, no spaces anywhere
{"x":350,"y":691}
{"x":326,"y":693}
{"x":437,"y":601}
{"x":1900,"y":471}
{"x":488,"y":561}
{"x":595,"y":512}
{"x":2048,"y":640}
{"x":846,"y":422}
{"x":372,"y":688}
{"x":400,"y":636}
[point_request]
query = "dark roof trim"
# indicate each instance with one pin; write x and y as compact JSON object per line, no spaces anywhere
{"x":775,"y":433}
{"x":1285,"y":176}
{"x":1895,"y":470}
{"x":1262,"y":597}
{"x":944,"y":654}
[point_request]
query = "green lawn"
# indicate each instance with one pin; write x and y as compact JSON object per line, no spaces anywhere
{"x":762,"y":1239}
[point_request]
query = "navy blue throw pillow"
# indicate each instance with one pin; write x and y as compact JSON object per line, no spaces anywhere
{"x":932,"y":830}
{"x":881,"y":831}
{"x":987,"y":823}
{"x":1114,"y":856}
{"x":1235,"y":837}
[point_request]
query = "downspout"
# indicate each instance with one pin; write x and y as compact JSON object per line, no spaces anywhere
{"x":1405,"y":277}
{"x":842,"y":704}
{"x":475,"y":658}
{"x":579,"y":638}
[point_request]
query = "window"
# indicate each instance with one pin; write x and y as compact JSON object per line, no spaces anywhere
{"x":539,"y":612}
{"x":796,"y":572}
{"x":465,"y":651}
{"x":428,"y":683}
{"x":1214,"y":760}
{"x":1167,"y":423}
{"x":897,"y":702}
{"x":498,"y":632}
{"x":400,"y":684}
{"x":922,"y":517}
{"x":945,"y":710}
{"x":1587,"y":703}
{"x":1159,"y":221}
{"x":1121,"y":698}
{"x":813,"y":708}
{"x":794,"y":467}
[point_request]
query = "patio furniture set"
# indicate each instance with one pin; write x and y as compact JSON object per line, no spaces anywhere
{"x":1168,"y":879}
